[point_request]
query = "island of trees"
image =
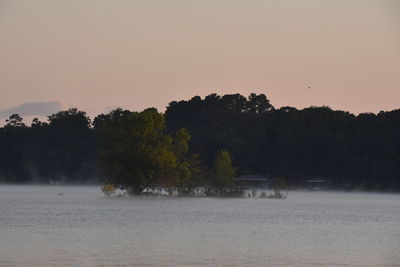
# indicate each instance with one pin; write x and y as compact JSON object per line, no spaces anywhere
{"x":205,"y":142}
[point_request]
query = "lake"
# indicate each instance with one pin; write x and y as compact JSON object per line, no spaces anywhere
{"x":79,"y":226}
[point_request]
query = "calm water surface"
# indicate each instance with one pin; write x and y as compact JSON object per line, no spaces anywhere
{"x":82,"y":227}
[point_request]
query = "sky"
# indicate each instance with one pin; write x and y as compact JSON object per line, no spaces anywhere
{"x":99,"y":55}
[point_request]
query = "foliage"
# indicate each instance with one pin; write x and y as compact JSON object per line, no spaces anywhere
{"x":136,"y":152}
{"x":223,"y":173}
{"x":355,"y":152}
{"x":15,"y":121}
{"x":45,"y":151}
{"x":279,"y":184}
{"x":109,"y":189}
{"x":177,"y":149}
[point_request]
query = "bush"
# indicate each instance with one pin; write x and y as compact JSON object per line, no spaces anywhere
{"x":108,"y":189}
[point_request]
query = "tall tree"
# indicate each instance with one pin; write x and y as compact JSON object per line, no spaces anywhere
{"x":223,"y":173}
{"x":70,"y":146}
{"x":15,"y":120}
{"x":135,"y":151}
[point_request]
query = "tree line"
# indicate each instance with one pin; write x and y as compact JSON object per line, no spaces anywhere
{"x":206,"y":141}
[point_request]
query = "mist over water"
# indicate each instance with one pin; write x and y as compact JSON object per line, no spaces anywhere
{"x":82,"y":227}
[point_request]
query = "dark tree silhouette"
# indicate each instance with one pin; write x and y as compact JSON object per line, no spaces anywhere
{"x":354,"y":152}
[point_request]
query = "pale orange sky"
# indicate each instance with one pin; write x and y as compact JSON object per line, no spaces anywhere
{"x":97,"y":55}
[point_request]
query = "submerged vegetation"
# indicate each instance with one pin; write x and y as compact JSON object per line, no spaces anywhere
{"x":205,"y":143}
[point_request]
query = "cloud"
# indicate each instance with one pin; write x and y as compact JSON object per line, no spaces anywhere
{"x":32,"y":109}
